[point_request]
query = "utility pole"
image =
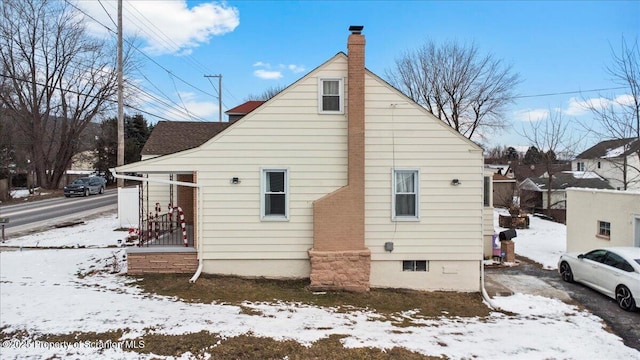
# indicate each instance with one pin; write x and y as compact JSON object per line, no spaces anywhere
{"x":120,"y":96}
{"x":219,"y":76}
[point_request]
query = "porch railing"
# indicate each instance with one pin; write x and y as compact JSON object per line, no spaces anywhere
{"x":164,"y":230}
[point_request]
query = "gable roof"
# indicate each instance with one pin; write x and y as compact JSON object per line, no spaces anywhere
{"x":169,"y":137}
{"x":245,"y":108}
{"x":611,"y":149}
{"x":523,"y":171}
{"x":568,"y":179}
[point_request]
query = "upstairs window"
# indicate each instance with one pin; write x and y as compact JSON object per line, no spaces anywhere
{"x":405,"y":195}
{"x":275,"y":197}
{"x":331,"y":99}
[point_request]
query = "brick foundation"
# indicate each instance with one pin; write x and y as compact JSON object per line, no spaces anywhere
{"x":340,"y":270}
{"x":140,"y":263}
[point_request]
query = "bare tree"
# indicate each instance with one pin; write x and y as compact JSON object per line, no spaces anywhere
{"x":465,"y":89}
{"x":550,"y":137}
{"x":266,"y":94}
{"x":619,"y":116}
{"x":59,"y":79}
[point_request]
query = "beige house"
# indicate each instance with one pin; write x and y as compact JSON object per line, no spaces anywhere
{"x":602,"y":218}
{"x":339,"y":178}
{"x":617,"y":161}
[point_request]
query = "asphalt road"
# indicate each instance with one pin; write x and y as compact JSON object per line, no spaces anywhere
{"x":623,"y":323}
{"x":39,"y":215}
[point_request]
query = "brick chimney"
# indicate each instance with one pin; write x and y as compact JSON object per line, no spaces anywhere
{"x":339,"y":258}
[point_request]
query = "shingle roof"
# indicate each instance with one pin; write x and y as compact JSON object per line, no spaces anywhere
{"x":522,"y":172}
{"x":169,"y":137}
{"x":245,"y":108}
{"x":569,"y":179}
{"x":611,"y":149}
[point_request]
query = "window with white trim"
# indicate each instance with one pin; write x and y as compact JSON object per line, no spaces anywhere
{"x":274,"y":204}
{"x":331,"y":96}
{"x":415,"y":265}
{"x":580,"y":166}
{"x":604,"y":229}
{"x":405,"y":201}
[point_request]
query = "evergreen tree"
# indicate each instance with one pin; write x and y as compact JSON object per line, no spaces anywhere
{"x":532,"y":156}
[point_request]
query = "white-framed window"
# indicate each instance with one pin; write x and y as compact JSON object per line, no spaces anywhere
{"x":487,"y":191}
{"x":580,"y":166}
{"x":604,"y":229}
{"x":415,"y":265}
{"x":331,"y":96}
{"x":274,"y":195}
{"x":406,"y":195}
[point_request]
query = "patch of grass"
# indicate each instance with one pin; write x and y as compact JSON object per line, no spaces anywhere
{"x":252,"y":347}
{"x":234,"y":290}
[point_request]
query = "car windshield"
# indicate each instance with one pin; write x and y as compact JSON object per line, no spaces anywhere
{"x":637,"y":260}
{"x":81,"y":181}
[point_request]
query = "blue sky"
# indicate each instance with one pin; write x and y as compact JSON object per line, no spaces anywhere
{"x":556,"y":47}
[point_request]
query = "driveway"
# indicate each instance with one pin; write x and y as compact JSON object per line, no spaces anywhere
{"x":529,"y":278}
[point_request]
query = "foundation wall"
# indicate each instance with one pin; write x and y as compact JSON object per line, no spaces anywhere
{"x":340,"y":270}
{"x":140,"y":263}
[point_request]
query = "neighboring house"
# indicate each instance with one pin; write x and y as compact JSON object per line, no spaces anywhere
{"x":602,"y":218}
{"x":241,"y":110}
{"x":533,"y":191}
{"x":339,"y":178}
{"x":504,"y":190}
{"x":617,"y":161}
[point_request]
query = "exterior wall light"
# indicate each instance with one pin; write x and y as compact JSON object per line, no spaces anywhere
{"x":455,"y":182}
{"x":235,"y":181}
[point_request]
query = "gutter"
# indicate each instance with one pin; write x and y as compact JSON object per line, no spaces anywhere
{"x":179,"y":183}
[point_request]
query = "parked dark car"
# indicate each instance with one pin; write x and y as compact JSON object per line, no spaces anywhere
{"x":85,"y":186}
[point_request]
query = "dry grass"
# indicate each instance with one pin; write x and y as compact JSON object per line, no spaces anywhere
{"x":235,"y":290}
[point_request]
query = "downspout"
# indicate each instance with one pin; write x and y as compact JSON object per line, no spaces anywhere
{"x":180,"y":183}
{"x":200,"y":254}
{"x":483,"y":290}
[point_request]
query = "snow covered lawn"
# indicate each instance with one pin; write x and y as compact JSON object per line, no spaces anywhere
{"x":79,"y":290}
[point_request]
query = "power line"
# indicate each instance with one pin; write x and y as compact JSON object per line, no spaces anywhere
{"x":568,"y":92}
{"x":140,"y":51}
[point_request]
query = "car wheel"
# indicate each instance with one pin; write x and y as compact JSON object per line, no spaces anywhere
{"x":67,"y":196}
{"x":86,"y":192}
{"x":565,"y":272}
{"x":625,"y":299}
{"x":101,"y":191}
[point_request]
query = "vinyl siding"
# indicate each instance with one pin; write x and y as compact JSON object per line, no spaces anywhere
{"x":287,"y":132}
{"x":405,"y":136}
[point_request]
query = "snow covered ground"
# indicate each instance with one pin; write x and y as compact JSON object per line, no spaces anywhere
{"x":44,"y":292}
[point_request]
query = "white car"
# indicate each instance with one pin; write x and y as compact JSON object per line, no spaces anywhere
{"x":613,"y":271}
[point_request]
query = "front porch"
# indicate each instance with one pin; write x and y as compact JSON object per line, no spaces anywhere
{"x":166,"y":235}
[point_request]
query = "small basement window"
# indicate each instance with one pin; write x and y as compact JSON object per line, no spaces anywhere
{"x":415,"y":265}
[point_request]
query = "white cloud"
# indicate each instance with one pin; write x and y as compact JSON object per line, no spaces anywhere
{"x":530,"y":115}
{"x":296,"y":68}
{"x":267,"y":74}
{"x":167,"y":27}
{"x":195,"y":110}
{"x":578,"y":107}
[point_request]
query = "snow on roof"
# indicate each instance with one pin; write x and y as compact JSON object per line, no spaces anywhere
{"x":615,"y":152}
{"x":584,"y":174}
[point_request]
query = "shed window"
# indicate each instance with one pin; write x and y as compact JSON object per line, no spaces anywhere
{"x":604,"y":228}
